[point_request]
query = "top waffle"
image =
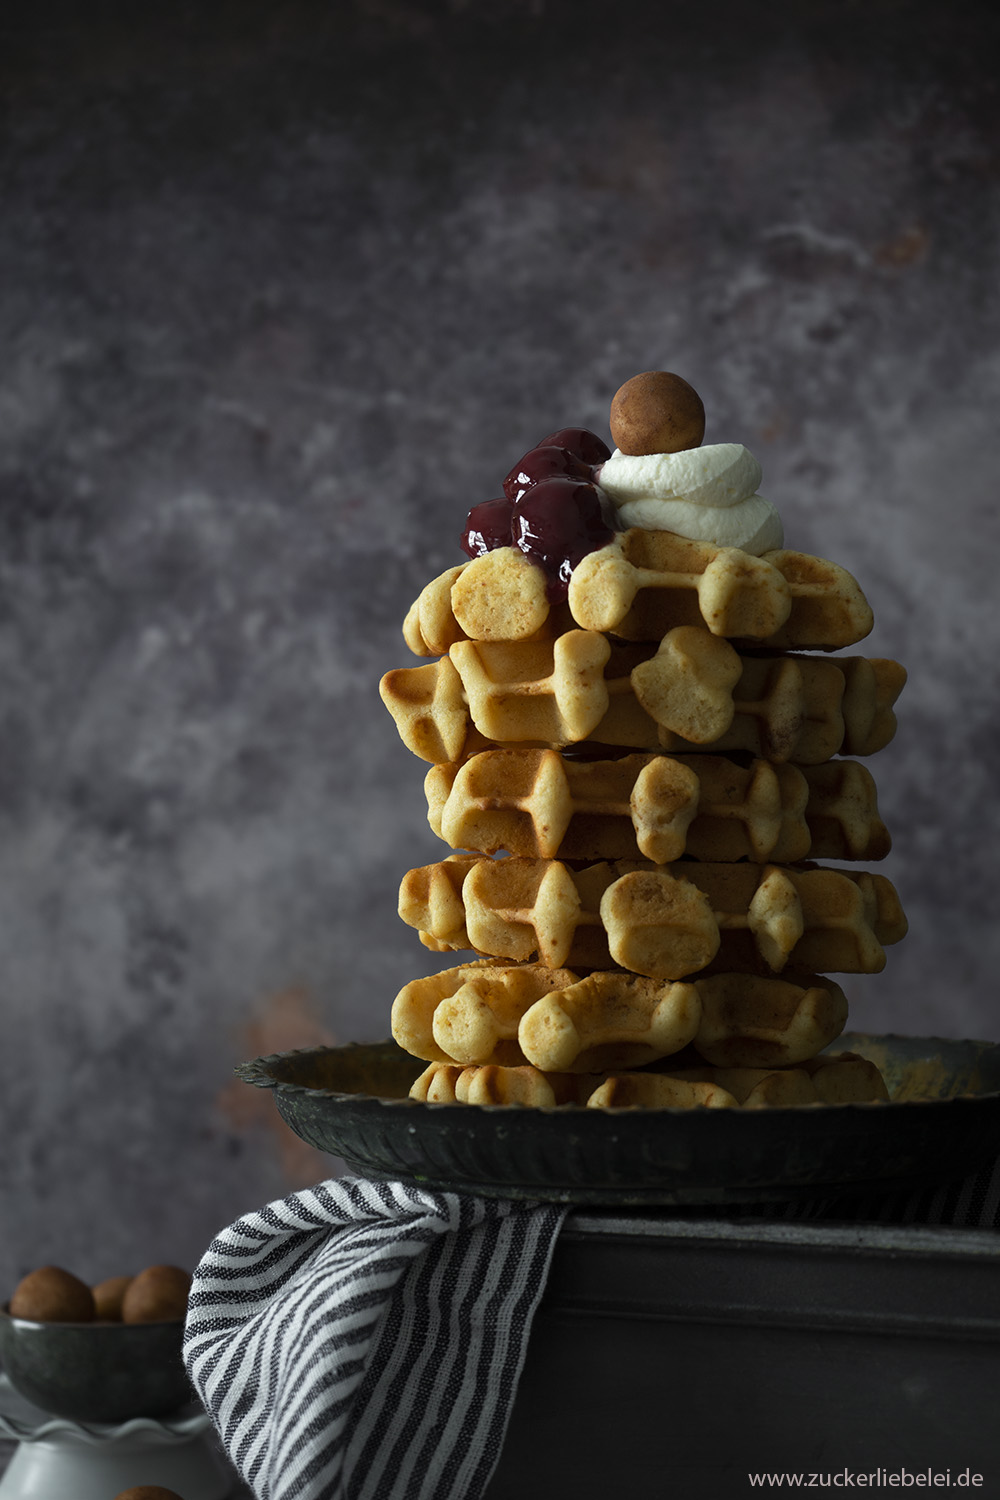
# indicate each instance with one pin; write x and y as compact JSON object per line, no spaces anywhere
{"x":640,"y":586}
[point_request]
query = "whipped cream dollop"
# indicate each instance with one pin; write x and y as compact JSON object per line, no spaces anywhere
{"x":708,"y":494}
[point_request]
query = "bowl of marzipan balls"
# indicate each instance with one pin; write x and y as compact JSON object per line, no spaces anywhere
{"x":98,"y":1354}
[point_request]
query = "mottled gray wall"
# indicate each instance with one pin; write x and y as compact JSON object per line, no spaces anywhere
{"x":283,"y":291}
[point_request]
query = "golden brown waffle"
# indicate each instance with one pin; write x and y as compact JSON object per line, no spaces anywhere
{"x":640,"y":586}
{"x":471,"y":1014}
{"x":758,"y":1021}
{"x":504,"y":589}
{"x":609,"y":1020}
{"x":664,"y":921}
{"x":783,"y":599}
{"x":846,"y":1078}
{"x":658,"y":807}
{"x":659,"y":1091}
{"x":694,"y":692}
{"x":843,"y":1079}
{"x":448,"y":1083}
{"x":481,"y":1013}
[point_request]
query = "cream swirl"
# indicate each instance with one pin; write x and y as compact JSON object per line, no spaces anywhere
{"x":707,"y":494}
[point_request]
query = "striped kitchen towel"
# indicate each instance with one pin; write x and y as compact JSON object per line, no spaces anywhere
{"x":363,"y":1340}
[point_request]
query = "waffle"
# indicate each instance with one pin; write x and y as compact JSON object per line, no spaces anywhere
{"x":609,"y":1020}
{"x":663,"y":921}
{"x":612,"y":1020}
{"x":694,"y":692}
{"x":449,"y":1083}
{"x":783,"y":599}
{"x":640,"y":586}
{"x":659,"y":1091}
{"x":503,"y":590}
{"x":471,"y":1014}
{"x":429,"y":707}
{"x":843,"y":1079}
{"x":753,"y":1021}
{"x":485,"y":1014}
{"x":536,"y":803}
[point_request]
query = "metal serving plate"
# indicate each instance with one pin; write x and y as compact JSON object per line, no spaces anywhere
{"x":943,"y":1123}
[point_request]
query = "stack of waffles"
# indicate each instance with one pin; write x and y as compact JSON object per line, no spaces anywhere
{"x":644,"y":782}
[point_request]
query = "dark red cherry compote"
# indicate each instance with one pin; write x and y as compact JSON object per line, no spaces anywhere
{"x":488,"y":526}
{"x":557,"y":522}
{"x":551,"y":508}
{"x":543,"y":462}
{"x":586,"y":445}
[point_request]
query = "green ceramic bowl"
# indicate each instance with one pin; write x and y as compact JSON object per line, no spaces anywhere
{"x":96,"y":1372}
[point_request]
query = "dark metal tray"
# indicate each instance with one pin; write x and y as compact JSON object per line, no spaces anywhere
{"x":703,"y":1349}
{"x":943,"y":1123}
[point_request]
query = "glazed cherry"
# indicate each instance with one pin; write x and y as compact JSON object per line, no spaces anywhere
{"x":541,"y":463}
{"x":557,"y":522}
{"x":586,"y":445}
{"x":488,"y":526}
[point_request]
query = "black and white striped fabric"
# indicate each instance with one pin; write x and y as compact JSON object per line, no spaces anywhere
{"x":363,"y":1340}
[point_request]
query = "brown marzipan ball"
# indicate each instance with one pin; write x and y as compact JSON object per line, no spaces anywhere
{"x":657,"y":413}
{"x":148,"y":1492}
{"x":51,"y":1295}
{"x":157,"y":1295}
{"x":108,"y":1298}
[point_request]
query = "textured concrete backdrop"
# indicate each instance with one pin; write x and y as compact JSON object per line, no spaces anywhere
{"x":283,"y":291}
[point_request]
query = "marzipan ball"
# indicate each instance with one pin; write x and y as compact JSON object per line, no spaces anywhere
{"x":51,"y":1295}
{"x":148,"y":1492}
{"x":657,"y":413}
{"x":157,"y":1295}
{"x":108,"y":1298}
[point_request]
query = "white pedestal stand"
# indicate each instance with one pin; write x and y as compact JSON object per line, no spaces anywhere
{"x":94,"y":1461}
